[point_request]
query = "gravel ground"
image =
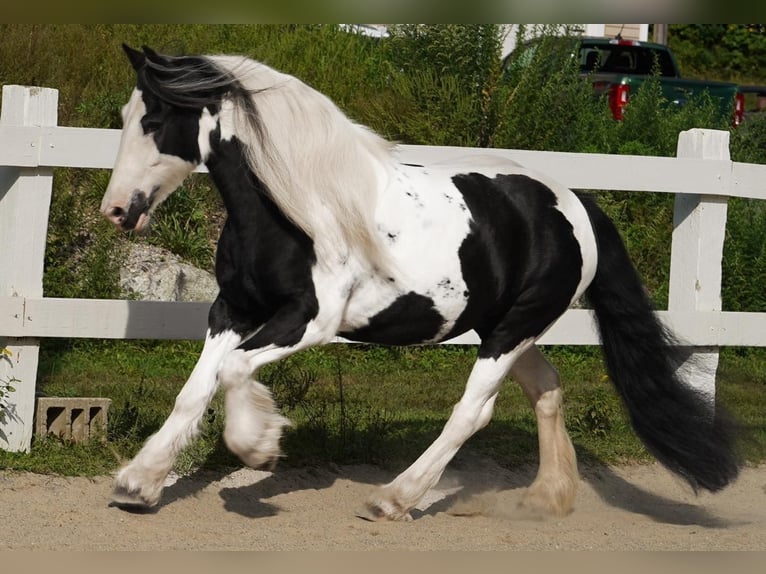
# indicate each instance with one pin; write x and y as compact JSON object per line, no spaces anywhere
{"x":473,"y":508}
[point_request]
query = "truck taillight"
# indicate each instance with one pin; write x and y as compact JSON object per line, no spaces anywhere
{"x":618,"y":99}
{"x":739,"y":108}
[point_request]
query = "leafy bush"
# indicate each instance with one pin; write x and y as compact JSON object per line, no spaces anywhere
{"x":748,"y":142}
{"x":83,"y":250}
{"x":545,"y":105}
{"x":189,"y":222}
{"x":744,"y":257}
{"x":734,"y":52}
{"x":6,"y":388}
{"x":441,"y":83}
{"x":651,"y":125}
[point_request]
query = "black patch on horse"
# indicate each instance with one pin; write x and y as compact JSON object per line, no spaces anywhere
{"x":410,"y":319}
{"x":175,"y":129}
{"x":521,"y":261}
{"x":263,"y":261}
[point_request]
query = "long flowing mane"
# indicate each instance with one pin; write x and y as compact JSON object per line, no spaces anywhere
{"x":322,"y":169}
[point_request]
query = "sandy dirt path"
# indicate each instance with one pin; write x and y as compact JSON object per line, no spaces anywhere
{"x":472,"y":508}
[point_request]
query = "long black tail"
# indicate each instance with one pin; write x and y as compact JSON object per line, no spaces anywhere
{"x":675,"y":423}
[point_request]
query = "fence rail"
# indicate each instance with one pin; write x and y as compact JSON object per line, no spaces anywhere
{"x":56,"y":146}
{"x":31,"y":146}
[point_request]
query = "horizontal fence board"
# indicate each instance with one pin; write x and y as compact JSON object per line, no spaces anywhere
{"x":748,"y":180}
{"x":601,"y":171}
{"x":124,"y":319}
{"x":97,"y":148}
{"x":102,"y":318}
{"x":19,"y":146}
{"x":717,"y":328}
{"x":76,"y":147}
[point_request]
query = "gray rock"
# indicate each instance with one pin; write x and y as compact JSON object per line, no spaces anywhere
{"x":151,"y":273}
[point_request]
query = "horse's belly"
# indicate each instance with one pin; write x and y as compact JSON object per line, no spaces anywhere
{"x":391,"y":316}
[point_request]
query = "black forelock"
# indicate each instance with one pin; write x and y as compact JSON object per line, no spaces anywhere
{"x":191,"y":82}
{"x":194,"y":83}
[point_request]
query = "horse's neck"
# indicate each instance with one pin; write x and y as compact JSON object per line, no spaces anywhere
{"x":244,"y":195}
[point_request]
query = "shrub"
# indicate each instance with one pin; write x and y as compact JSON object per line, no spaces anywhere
{"x":440,"y":83}
{"x":83,"y":250}
{"x":543,"y":102}
{"x":744,"y":257}
{"x":748,"y":142}
{"x":6,"y":388}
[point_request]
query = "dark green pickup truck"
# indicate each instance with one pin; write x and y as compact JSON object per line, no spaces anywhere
{"x":618,"y":67}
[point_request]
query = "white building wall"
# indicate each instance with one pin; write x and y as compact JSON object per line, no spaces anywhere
{"x":628,"y":31}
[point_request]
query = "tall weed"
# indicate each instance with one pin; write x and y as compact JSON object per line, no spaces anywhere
{"x":744,"y":257}
{"x":83,"y":250}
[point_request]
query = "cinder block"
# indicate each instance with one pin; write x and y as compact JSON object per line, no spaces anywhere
{"x":72,"y":418}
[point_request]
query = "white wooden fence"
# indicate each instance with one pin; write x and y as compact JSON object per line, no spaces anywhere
{"x":31,"y":145}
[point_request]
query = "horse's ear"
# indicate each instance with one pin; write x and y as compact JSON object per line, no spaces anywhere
{"x":150,"y":54}
{"x":137,"y":58}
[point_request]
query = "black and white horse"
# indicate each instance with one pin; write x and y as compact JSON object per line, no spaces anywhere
{"x":327,"y":234}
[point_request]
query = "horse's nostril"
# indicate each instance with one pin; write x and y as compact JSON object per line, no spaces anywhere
{"x":117,"y":214}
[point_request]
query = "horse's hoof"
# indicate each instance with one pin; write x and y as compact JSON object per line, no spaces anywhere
{"x":130,"y":501}
{"x":539,"y":503}
{"x":259,"y":462}
{"x":375,"y":513}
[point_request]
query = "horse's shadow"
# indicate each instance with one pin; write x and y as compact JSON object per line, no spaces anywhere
{"x":251,"y":500}
{"x":470,"y":475}
{"x":621,"y":493}
{"x":612,"y":488}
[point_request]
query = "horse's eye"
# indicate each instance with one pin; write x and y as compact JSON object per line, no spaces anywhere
{"x":151,"y":125}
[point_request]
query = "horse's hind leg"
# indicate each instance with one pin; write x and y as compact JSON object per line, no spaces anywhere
{"x":555,"y":487}
{"x":393,"y":501}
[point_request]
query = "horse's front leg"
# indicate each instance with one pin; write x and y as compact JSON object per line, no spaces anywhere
{"x":253,"y":423}
{"x":139,"y":484}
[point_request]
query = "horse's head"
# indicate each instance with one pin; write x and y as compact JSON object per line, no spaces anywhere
{"x":166,"y":123}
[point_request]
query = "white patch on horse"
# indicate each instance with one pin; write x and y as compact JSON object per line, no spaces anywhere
{"x":426,"y":260}
{"x":446,"y":289}
{"x":226,"y":120}
{"x":207,"y":124}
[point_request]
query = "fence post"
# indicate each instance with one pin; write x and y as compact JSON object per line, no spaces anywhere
{"x":25,"y":197}
{"x":699,"y":229}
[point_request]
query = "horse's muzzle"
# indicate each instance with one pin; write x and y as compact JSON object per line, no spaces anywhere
{"x":134,"y":216}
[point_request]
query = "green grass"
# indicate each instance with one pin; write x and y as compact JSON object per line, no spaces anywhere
{"x":355,"y":404}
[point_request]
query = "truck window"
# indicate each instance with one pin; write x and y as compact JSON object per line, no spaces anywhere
{"x":623,"y":59}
